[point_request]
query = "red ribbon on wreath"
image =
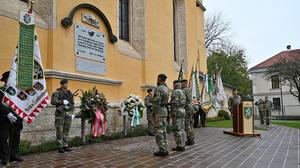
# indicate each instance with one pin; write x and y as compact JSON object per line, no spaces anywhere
{"x":99,"y":125}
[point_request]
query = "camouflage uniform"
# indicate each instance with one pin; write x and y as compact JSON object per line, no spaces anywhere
{"x":177,"y":103}
{"x":160,"y":101}
{"x":63,"y":117}
{"x":261,"y":110}
{"x":189,"y":115}
{"x":268,"y":108}
{"x":148,"y":103}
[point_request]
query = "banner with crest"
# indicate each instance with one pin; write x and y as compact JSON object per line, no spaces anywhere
{"x":26,"y":90}
{"x":194,"y":84}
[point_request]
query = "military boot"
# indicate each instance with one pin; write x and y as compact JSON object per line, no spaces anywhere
{"x":193,"y":142}
{"x":179,"y":149}
{"x":67,"y":149}
{"x":16,"y":158}
{"x":161,"y":153}
{"x":61,"y":150}
{"x":189,"y":142}
{"x":4,"y":162}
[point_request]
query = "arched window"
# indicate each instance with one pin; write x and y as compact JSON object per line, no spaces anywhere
{"x":175,"y":30}
{"x":132,"y":28}
{"x":179,"y":32}
{"x":275,"y":81}
{"x":124,"y":20}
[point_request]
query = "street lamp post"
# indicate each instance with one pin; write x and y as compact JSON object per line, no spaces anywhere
{"x":281,"y":98}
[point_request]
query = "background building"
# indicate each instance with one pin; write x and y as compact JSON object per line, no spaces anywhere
{"x":284,"y":103}
{"x":140,"y":39}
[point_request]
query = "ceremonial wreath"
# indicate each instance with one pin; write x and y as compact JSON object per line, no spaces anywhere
{"x":134,"y":106}
{"x":93,"y":108}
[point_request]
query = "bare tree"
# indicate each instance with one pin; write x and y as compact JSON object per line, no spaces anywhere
{"x":216,"y":32}
{"x":288,"y":69}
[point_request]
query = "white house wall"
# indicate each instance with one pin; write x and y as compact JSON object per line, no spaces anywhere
{"x":263,"y":87}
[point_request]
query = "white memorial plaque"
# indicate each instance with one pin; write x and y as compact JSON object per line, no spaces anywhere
{"x":89,"y":66}
{"x":89,"y":43}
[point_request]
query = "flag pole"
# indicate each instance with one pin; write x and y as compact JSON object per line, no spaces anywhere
{"x":31,"y":3}
{"x":198,"y":58}
{"x":192,"y":71}
{"x":180,"y":75}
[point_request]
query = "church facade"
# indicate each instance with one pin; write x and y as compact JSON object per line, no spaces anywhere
{"x":119,"y":46}
{"x":141,"y":38}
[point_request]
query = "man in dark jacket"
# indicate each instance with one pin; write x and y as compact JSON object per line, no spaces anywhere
{"x":11,"y":126}
{"x":148,"y":103}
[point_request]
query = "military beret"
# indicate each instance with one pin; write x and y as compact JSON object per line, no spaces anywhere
{"x":184,"y":80}
{"x":5,"y":75}
{"x":248,"y":97}
{"x":163,"y":76}
{"x":176,"y":81}
{"x":149,"y":90}
{"x":64,"y":81}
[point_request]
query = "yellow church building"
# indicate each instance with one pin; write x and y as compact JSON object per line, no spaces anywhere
{"x":142,"y":38}
{"x":119,"y":46}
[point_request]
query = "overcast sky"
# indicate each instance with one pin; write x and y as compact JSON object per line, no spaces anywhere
{"x":262,"y":27}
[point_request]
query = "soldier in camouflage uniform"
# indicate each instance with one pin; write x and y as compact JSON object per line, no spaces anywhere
{"x":261,"y":110}
{"x":177,"y":103}
{"x":63,"y":99}
{"x":189,"y":113}
{"x":160,"y":101}
{"x":234,"y":101}
{"x":268,"y":108}
{"x":148,"y":103}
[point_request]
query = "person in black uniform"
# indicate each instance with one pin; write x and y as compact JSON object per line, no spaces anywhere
{"x":196,"y":116}
{"x":10,"y":125}
{"x":202,"y":114}
{"x":202,"y":117}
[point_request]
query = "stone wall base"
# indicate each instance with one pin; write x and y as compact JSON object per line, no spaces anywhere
{"x":43,"y":129}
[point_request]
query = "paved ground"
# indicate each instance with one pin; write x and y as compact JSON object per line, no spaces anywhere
{"x":278,"y":148}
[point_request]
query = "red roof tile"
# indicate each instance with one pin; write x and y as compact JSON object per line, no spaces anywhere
{"x":289,"y":54}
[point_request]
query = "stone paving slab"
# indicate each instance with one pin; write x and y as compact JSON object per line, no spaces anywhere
{"x":278,"y":148}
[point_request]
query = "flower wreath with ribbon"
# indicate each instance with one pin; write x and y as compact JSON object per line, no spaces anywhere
{"x":93,"y":108}
{"x":134,"y":107}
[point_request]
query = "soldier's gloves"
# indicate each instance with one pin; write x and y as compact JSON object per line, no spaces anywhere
{"x":67,"y":107}
{"x":66,"y":102}
{"x":12,"y":118}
